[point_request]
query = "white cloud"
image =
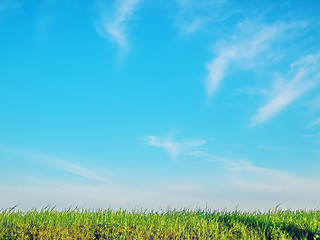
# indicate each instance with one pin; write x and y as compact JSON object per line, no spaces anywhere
{"x":193,"y":14}
{"x":304,"y":74}
{"x":171,"y":147}
{"x":58,"y":163}
{"x":116,"y":26}
{"x":217,"y":69}
{"x":245,"y":177}
{"x":250,"y":42}
{"x":247,"y":47}
{"x":240,"y":181}
{"x":78,"y":170}
{"x":256,"y":179}
{"x":174,"y":148}
{"x":194,"y":25}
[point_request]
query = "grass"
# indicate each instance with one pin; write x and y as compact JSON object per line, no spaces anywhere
{"x":171,"y":224}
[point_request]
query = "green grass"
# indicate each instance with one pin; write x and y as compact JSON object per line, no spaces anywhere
{"x":182,"y":224}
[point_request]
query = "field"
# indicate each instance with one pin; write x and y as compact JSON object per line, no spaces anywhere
{"x":170,"y":224}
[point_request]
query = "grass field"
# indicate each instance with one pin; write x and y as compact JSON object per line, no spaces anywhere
{"x":182,"y":224}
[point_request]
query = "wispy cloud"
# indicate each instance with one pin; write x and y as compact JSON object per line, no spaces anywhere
{"x":304,"y":75}
{"x":116,"y":27}
{"x":251,"y":178}
{"x":247,"y":46}
{"x":174,"y":148}
{"x":244,"y":176}
{"x":247,"y":177}
{"x":57,"y":162}
{"x":242,"y":179}
{"x":194,"y":25}
{"x":194,"y":14}
{"x":76,"y":169}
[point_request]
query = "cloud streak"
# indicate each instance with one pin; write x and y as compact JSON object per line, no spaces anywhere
{"x":174,"y":148}
{"x":244,"y":176}
{"x":116,"y":27}
{"x":57,"y":162}
{"x":247,"y":47}
{"x":194,"y":14}
{"x":242,"y":180}
{"x":194,"y":25}
{"x":250,"y":178}
{"x":304,"y":75}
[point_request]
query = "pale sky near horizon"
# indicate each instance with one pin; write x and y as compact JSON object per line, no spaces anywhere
{"x":156,"y":104}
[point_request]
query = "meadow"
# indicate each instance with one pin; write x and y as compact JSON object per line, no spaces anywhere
{"x":75,"y":223}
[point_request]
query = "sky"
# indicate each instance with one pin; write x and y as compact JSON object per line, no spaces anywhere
{"x":159,"y":104}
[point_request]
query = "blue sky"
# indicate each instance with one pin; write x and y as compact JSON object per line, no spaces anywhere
{"x":140,"y":103}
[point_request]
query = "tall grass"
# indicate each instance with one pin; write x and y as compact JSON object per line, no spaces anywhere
{"x":171,"y":224}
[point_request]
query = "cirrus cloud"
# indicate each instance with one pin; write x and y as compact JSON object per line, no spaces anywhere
{"x":115,"y":28}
